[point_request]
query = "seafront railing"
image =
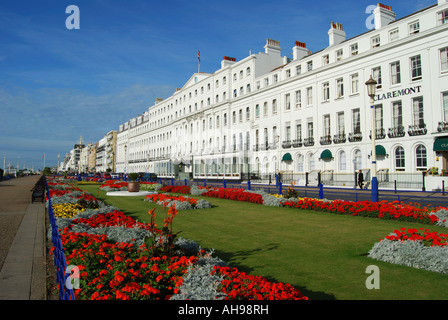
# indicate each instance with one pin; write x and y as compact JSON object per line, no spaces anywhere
{"x":432,"y":198}
{"x":62,"y":277}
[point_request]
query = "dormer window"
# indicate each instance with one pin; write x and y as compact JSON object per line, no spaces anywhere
{"x":442,"y":17}
{"x":339,"y":54}
{"x":393,"y":35}
{"x":309,"y":65}
{"x":354,"y":49}
{"x":325,"y":60}
{"x":376,"y":41}
{"x":414,"y":27}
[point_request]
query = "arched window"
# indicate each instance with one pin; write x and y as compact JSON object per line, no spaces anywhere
{"x":399,"y":159}
{"x":300,"y":163}
{"x":421,"y":157}
{"x":342,"y":161}
{"x":311,"y":162}
{"x":358,"y":160}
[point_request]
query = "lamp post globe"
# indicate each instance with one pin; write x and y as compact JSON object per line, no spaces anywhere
{"x":371,"y":90}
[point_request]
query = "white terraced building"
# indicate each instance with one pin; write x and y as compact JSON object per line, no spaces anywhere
{"x":310,"y":113}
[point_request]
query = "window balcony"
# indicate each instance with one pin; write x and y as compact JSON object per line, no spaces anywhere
{"x":396,"y":132}
{"x":379,"y":134}
{"x":286,"y":144}
{"x":355,"y":137}
{"x":325,"y":140}
{"x":297,"y":143}
{"x":339,"y":138}
{"x":308,"y":142}
{"x":417,"y":130}
{"x":264,"y":146}
{"x":442,"y":126}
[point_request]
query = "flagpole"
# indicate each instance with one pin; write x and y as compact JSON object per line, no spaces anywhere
{"x":199,"y":60}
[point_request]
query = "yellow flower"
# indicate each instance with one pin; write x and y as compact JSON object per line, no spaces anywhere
{"x":67,"y":210}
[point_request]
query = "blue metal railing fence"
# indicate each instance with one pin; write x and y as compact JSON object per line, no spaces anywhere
{"x":65,"y":293}
{"x":424,"y":198}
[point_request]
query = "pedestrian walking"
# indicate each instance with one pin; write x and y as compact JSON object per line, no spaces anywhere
{"x":360,"y":179}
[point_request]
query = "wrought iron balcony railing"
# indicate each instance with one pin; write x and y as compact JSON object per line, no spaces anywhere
{"x":286,"y":144}
{"x":325,"y":140}
{"x":308,"y":142}
{"x":355,"y":137}
{"x":417,"y":130}
{"x":339,"y":138}
{"x":396,"y":132}
{"x":379,"y":134}
{"x":297,"y":143}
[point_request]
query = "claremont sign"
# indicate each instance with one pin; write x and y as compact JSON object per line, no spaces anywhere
{"x":398,"y":93}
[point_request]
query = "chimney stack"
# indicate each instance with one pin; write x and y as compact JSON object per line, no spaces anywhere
{"x":442,"y":2}
{"x":383,"y":15}
{"x":299,"y":51}
{"x":272,"y":46}
{"x":227,"y":61}
{"x":336,"y":34}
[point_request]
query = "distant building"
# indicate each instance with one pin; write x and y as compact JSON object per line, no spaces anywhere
{"x":72,"y":159}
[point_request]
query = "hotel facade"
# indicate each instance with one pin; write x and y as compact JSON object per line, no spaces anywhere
{"x":309,"y":113}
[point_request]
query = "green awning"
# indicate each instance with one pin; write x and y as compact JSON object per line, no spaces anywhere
{"x":380,"y":150}
{"x":441,"y":144}
{"x":287,"y":157}
{"x":326,"y":155}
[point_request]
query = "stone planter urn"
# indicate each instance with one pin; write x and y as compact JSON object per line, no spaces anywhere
{"x":133,"y":186}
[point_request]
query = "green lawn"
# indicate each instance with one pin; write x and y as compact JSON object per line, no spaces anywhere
{"x":321,"y":254}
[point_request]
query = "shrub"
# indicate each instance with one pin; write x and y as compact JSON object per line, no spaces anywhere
{"x":412,"y":254}
{"x":197,"y":191}
{"x":200,"y":282}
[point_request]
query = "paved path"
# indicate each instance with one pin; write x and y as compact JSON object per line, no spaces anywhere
{"x":22,"y":242}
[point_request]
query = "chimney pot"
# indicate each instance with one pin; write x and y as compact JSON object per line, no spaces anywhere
{"x":383,"y":15}
{"x":336,"y":34}
{"x":299,"y":51}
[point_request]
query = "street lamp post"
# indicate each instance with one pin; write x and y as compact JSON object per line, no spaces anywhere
{"x":371,"y":88}
{"x":125,"y":161}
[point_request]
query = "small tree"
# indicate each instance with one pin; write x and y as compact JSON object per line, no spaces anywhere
{"x":133,"y":176}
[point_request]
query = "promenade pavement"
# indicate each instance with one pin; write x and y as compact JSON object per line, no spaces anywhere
{"x":22,"y":241}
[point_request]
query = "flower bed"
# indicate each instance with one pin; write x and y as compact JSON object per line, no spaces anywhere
{"x":67,"y":210}
{"x":428,"y":238}
{"x":120,"y":270}
{"x":150,"y":186}
{"x":114,"y":264}
{"x":382,"y":209}
{"x":181,"y":203}
{"x":176,"y":189}
{"x":234,"y":194}
{"x":114,"y":185}
{"x":239,"y":285}
{"x":165,"y":198}
{"x":421,"y":249}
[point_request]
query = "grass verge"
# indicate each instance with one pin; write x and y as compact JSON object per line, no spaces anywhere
{"x":323,"y":255}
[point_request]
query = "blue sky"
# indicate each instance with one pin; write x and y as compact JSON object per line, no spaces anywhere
{"x":58,"y":84}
